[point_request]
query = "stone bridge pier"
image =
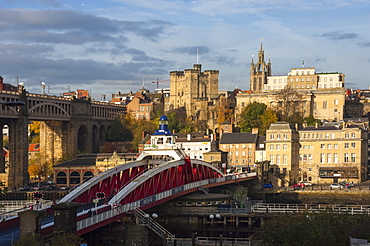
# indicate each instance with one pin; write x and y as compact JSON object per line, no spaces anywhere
{"x":60,"y":138}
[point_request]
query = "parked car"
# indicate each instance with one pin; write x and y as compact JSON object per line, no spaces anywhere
{"x":307,"y":183}
{"x":298,"y":185}
{"x":336,"y":185}
{"x":50,"y":182}
{"x":347,"y":184}
{"x":64,"y":187}
{"x":24,"y":188}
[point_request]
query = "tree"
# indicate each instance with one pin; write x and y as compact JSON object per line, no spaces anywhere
{"x":250,"y":117}
{"x":290,"y":106}
{"x":268,"y":117}
{"x":119,"y":131}
{"x":313,"y":229}
{"x":224,"y":113}
{"x":34,"y":132}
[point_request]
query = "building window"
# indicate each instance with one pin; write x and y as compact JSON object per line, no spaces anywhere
{"x":328,"y":158}
{"x":278,"y":147}
{"x":353,"y":157}
{"x":335,"y":157}
{"x":285,"y":159}
{"x":329,"y":146}
{"x":346,"y":157}
{"x":285,"y":146}
{"x":346,"y":145}
{"x":285,"y":136}
{"x":272,"y":137}
{"x":271,"y":147}
{"x":322,"y":158}
{"x":322,"y":146}
{"x":278,"y":159}
{"x":272,"y":159}
{"x":346,"y":135}
{"x":335,"y":146}
{"x":353,"y":135}
{"x":335,"y":101}
{"x":353,"y":145}
{"x":278,"y":136}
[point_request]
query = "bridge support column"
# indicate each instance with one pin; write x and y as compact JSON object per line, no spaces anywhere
{"x":30,"y":221}
{"x":18,"y":153}
{"x":136,"y":235}
{"x":53,"y":138}
{"x":65,"y":217}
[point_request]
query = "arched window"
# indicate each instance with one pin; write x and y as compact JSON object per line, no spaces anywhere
{"x":88,"y":175}
{"x":61,"y":178}
{"x":74,"y":178}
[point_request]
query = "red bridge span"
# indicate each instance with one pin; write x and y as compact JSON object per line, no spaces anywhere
{"x":140,"y":185}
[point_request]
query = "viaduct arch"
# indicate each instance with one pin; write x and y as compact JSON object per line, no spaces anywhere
{"x":68,"y":126}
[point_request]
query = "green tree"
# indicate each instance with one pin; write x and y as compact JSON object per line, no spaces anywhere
{"x":313,"y":229}
{"x":119,"y":131}
{"x":251,"y":116}
{"x":311,"y":121}
{"x":66,"y":239}
{"x":30,"y":239}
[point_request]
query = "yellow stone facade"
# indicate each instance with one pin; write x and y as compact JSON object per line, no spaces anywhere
{"x":323,"y":104}
{"x":317,"y":154}
{"x":329,"y":154}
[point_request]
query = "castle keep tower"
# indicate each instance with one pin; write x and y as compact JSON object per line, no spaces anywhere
{"x":193,"y":90}
{"x":259,"y":72}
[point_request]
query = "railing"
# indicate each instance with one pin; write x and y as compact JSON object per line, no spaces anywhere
{"x":310,"y":208}
{"x":27,"y":205}
{"x":116,"y":209}
{"x":152,"y":224}
{"x":208,"y":241}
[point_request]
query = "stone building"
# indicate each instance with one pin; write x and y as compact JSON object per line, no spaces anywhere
{"x":241,"y":148}
{"x":259,"y":72}
{"x":321,"y":95}
{"x":318,"y":154}
{"x":282,"y":150}
{"x":195,"y":93}
{"x":330,"y":154}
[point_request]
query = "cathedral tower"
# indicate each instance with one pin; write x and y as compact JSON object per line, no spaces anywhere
{"x":259,"y":72}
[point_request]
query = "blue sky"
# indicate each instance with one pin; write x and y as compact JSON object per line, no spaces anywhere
{"x":108,"y":46}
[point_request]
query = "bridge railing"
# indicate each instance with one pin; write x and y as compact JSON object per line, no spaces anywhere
{"x":119,"y":209}
{"x":310,"y":208}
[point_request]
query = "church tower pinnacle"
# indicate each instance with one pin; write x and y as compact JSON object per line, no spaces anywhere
{"x":259,"y":72}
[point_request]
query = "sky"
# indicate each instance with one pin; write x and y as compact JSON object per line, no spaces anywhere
{"x":111,"y":46}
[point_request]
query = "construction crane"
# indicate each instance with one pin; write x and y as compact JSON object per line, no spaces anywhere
{"x":158,"y":81}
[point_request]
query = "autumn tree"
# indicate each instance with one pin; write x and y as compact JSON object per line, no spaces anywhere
{"x":34,"y":132}
{"x":267,"y":118}
{"x":224,"y":113}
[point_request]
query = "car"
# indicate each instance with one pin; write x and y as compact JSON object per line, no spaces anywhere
{"x":298,"y":185}
{"x":336,"y":185}
{"x":64,"y":187}
{"x":307,"y":183}
{"x":347,"y":184}
{"x":24,"y":188}
{"x":50,"y":182}
{"x":51,"y":187}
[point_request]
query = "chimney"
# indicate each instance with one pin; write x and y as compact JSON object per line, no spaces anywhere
{"x":255,"y":130}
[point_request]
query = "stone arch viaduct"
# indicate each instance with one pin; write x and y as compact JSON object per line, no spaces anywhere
{"x":68,"y":126}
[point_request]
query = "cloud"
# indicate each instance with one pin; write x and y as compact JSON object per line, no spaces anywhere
{"x":337,"y":35}
{"x":364,"y":44}
{"x":190,"y":50}
{"x":72,"y":27}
